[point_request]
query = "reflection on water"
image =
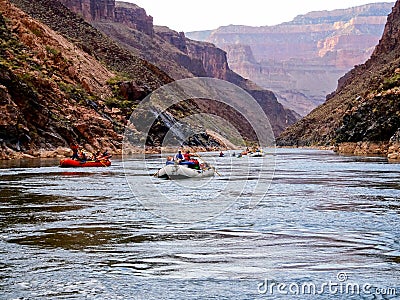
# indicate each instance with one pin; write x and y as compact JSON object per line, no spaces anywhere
{"x":81,"y":234}
{"x":70,"y":238}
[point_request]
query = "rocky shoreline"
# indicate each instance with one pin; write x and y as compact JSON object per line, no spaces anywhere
{"x":63,"y":152}
{"x":9,"y":154}
{"x":389,"y":150}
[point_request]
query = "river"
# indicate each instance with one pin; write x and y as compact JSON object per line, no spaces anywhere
{"x":325,"y":227}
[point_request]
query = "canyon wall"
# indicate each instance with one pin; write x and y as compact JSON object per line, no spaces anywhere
{"x":121,"y":12}
{"x":181,"y":57}
{"x":362,"y":116}
{"x":74,"y":71}
{"x":302,"y":60}
{"x":60,"y":85}
{"x":92,"y":9}
{"x":133,"y":16}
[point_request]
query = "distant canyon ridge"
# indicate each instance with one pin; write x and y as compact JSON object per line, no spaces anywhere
{"x":302,"y":60}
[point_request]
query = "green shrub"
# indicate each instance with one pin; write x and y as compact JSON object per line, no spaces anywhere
{"x":53,"y":51}
{"x":37,"y":32}
{"x":391,"y":82}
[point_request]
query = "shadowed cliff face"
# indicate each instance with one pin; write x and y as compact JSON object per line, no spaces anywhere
{"x":58,"y":83}
{"x":366,"y":105}
{"x":302,"y":60}
{"x":48,"y":90}
{"x":182,"y":58}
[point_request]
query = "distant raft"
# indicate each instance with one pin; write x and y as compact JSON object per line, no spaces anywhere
{"x":72,"y":163}
{"x":256,"y":154}
{"x":185,"y":169}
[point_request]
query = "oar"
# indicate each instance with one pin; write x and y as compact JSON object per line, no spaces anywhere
{"x":215,"y":170}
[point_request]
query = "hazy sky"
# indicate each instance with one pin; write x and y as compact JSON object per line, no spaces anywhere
{"x":189,"y":15}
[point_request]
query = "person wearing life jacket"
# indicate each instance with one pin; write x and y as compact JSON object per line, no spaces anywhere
{"x":75,"y":149}
{"x":83,"y":157}
{"x":196,"y":164}
{"x":178,"y":157}
{"x":221,"y":154}
{"x":186,"y":155}
{"x":97,"y":155}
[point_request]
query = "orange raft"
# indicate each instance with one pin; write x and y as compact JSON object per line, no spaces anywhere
{"x":72,"y":163}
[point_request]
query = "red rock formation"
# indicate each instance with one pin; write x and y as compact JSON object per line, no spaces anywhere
{"x":110,"y":10}
{"x":305,"y":56}
{"x":134,"y":16}
{"x":182,"y":57}
{"x":213,"y":59}
{"x":92,"y":10}
{"x":362,"y":115}
{"x":58,"y":83}
{"x":174,"y":38}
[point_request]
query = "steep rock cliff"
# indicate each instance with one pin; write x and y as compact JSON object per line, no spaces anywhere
{"x":215,"y":64}
{"x":50,"y":90}
{"x":63,"y":81}
{"x":302,"y":60}
{"x":365,"y":108}
{"x":95,"y":43}
{"x":60,"y":85}
{"x":182,"y":58}
{"x":92,"y":10}
{"x":134,"y":16}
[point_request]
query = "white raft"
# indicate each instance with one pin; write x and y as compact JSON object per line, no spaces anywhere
{"x":183,"y":171}
{"x":256,"y":154}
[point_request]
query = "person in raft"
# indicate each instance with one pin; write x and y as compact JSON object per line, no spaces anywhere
{"x":83,"y":157}
{"x":97,"y":156}
{"x":78,"y":154}
{"x":186,"y":156}
{"x":178,"y":157}
{"x":75,"y":149}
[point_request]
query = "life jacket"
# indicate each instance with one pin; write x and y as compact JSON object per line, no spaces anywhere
{"x":195,"y":161}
